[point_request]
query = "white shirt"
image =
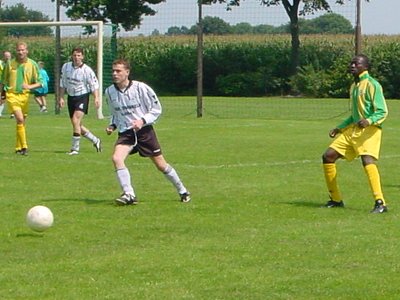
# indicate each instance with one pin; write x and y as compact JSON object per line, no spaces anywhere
{"x":78,"y":81}
{"x":137,"y":101}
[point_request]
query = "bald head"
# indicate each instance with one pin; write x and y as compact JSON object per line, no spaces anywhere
{"x":359,"y":64}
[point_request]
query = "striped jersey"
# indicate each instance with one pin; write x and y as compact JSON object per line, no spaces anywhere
{"x":15,"y":74}
{"x":78,"y":81}
{"x":135,"y":102}
{"x":367,"y":102}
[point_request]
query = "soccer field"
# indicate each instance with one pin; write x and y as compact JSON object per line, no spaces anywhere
{"x":254,"y":228}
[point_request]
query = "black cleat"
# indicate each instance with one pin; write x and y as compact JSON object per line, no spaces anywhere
{"x":126,"y":199}
{"x":24,"y":151}
{"x":185,"y":197}
{"x":379,"y":207}
{"x":98,"y":145}
{"x":332,"y":204}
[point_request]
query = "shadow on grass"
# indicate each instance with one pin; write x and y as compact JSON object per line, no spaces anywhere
{"x":305,"y":204}
{"x":319,"y":205}
{"x":85,"y":200}
{"x":396,"y":186}
{"x":33,"y":234}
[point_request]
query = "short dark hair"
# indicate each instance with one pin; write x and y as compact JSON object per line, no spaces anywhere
{"x":124,"y":62}
{"x":78,"y":49}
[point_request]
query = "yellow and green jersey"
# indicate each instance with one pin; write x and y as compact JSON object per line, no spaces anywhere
{"x":367,"y":102}
{"x":15,"y":74}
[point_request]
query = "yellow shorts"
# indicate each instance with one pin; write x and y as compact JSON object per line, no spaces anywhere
{"x":18,"y":102}
{"x":355,"y":141}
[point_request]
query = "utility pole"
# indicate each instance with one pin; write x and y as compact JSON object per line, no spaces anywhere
{"x":57,"y":62}
{"x":358,"y":36}
{"x":200,"y":61}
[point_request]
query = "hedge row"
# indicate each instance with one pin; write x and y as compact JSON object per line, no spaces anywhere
{"x":240,"y":65}
{"x":259,"y":65}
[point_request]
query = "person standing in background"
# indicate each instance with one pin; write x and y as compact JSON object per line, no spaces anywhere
{"x":20,"y":76}
{"x":79,"y":81}
{"x":41,"y":93}
{"x":3,"y":62}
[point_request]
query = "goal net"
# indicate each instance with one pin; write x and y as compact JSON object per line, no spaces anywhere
{"x":52,"y":43}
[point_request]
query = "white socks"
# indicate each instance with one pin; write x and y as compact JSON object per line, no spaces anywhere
{"x":75,"y":143}
{"x":91,"y":137}
{"x":76,"y":140}
{"x":173,"y":177}
{"x":124,"y":179}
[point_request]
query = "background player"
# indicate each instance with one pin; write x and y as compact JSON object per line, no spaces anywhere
{"x":79,"y":81}
{"x":20,"y":76}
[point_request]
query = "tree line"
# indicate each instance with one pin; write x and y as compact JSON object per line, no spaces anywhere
{"x":20,"y":13}
{"x":330,"y":23}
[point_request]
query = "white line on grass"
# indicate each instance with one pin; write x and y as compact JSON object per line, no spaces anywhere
{"x":75,"y":160}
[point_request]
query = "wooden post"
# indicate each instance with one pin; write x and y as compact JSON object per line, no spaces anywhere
{"x":200,"y":62}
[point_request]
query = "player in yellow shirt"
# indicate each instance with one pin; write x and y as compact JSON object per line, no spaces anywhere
{"x":20,"y":76}
{"x":359,"y":135}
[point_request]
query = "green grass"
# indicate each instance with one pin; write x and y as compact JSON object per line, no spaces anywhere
{"x":254,"y":229}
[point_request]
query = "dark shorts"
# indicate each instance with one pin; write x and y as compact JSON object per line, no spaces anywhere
{"x":80,"y":103}
{"x":40,"y":94}
{"x":147,"y":142}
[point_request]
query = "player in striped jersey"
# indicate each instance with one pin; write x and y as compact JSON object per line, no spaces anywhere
{"x":134,"y":108}
{"x":359,"y":134}
{"x":79,"y":81}
{"x":20,"y":76}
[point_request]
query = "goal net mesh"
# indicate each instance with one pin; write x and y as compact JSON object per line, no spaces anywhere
{"x":43,"y":46}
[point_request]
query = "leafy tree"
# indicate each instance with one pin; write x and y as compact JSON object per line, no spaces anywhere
{"x":293,"y":9}
{"x":215,"y":25}
{"x":242,"y":28}
{"x":265,"y":29}
{"x":125,"y":13}
{"x":20,"y":13}
{"x":175,"y":30}
{"x":155,"y":32}
{"x":330,"y":23}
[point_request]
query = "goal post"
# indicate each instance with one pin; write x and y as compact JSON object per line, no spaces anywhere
{"x":58,"y":24}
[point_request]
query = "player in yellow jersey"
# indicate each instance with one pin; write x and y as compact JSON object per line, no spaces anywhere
{"x":359,"y":134}
{"x":20,"y":76}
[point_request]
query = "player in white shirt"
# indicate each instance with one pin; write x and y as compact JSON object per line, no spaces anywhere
{"x":134,"y":108}
{"x":79,"y":81}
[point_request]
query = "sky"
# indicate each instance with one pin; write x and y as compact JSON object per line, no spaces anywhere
{"x":377,"y":16}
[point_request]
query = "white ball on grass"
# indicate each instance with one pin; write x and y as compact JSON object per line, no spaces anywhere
{"x":39,"y":218}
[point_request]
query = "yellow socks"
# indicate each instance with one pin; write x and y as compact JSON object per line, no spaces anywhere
{"x":21,"y":137}
{"x":374,"y":181}
{"x":331,"y":183}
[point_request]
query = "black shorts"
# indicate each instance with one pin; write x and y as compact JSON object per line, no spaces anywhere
{"x":39,"y":94}
{"x":80,"y":103}
{"x":147,"y":142}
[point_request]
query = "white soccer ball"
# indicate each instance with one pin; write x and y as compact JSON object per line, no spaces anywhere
{"x":39,"y":218}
